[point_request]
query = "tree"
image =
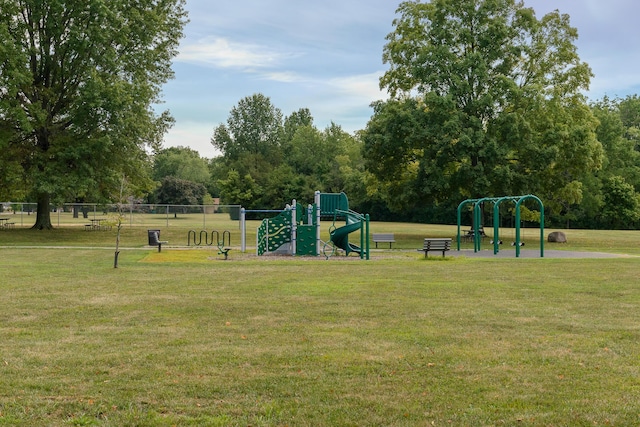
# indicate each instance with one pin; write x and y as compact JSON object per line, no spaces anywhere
{"x":234,"y":190}
{"x":181,"y":162}
{"x":621,"y":203}
{"x":254,"y":127}
{"x":617,"y":131}
{"x":78,"y":79}
{"x":629,"y":110}
{"x":630,"y":116}
{"x":295,"y":121}
{"x":484,"y":96}
{"x":284,"y":185}
{"x":12,"y":187}
{"x":251,"y":146}
{"x":176,"y":191}
{"x":341,"y":159}
{"x":306,"y":150}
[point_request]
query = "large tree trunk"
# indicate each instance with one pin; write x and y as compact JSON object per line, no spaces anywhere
{"x":43,"y":217}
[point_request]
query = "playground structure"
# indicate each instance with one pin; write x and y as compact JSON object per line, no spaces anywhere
{"x":223,"y":249}
{"x":497,"y":201}
{"x":296,"y":230}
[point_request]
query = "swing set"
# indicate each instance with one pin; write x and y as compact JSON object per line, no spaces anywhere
{"x":477,"y":221}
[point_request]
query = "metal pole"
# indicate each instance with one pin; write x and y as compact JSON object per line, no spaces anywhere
{"x":518,"y":229}
{"x":294,"y":230}
{"x":541,"y":229}
{"x":317,"y":203}
{"x":367,"y":238}
{"x":243,"y":231}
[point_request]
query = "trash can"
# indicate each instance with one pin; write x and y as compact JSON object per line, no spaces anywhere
{"x":154,"y":237}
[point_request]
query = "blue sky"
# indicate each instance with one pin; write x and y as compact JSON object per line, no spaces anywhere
{"x":327,"y":56}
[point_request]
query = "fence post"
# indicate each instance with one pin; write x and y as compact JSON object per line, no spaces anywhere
{"x":243,"y":231}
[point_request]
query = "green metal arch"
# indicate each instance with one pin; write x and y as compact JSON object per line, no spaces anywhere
{"x":522,"y":199}
{"x":459,"y":215}
{"x":477,"y":216}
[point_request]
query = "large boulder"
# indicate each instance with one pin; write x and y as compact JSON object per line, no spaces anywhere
{"x":557,"y":237}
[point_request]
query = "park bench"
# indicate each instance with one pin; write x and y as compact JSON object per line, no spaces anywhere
{"x":383,"y":238}
{"x":154,"y":239}
{"x":435,"y":245}
{"x":224,"y":251}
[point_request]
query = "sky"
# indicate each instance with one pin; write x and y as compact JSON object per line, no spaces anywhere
{"x":327,"y":56}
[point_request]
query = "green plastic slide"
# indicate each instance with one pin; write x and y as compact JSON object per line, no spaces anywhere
{"x":340,"y":236}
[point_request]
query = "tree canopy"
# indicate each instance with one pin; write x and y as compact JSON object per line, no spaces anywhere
{"x":181,"y":162}
{"x":485,"y":100}
{"x":176,"y":191}
{"x":268,"y":160}
{"x":254,"y":127}
{"x":78,"y":79}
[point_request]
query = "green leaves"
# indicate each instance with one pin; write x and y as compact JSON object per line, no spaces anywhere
{"x":254,"y":126}
{"x":79,"y":79}
{"x":485,"y":100}
{"x":267,"y":161}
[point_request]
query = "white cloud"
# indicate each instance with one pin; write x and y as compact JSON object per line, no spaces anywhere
{"x":222,"y":53}
{"x":283,"y":77}
{"x":363,"y":87}
{"x":195,"y":135}
{"x":326,"y":56}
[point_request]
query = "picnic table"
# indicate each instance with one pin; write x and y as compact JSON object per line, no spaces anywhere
{"x":470,"y":234}
{"x":97,"y":224}
{"x":4,"y":223}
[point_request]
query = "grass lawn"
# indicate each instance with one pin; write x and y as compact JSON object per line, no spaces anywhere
{"x":185,"y":338}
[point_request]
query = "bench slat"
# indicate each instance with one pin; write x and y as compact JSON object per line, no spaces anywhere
{"x":436,"y":245}
{"x":383,"y":238}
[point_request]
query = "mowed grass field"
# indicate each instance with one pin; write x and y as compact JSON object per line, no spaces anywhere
{"x":184,"y":337}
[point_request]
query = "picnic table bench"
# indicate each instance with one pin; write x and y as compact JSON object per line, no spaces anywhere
{"x":470,"y":234}
{"x":97,"y":224}
{"x":383,"y":238}
{"x":435,"y":245}
{"x":4,"y":223}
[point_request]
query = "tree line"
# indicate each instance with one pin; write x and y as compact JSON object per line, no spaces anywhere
{"x":485,"y":99}
{"x":268,"y":160}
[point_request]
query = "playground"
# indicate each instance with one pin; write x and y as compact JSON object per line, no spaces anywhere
{"x":296,"y":230}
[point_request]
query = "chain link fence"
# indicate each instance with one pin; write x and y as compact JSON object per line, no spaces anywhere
{"x":133,"y":215}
